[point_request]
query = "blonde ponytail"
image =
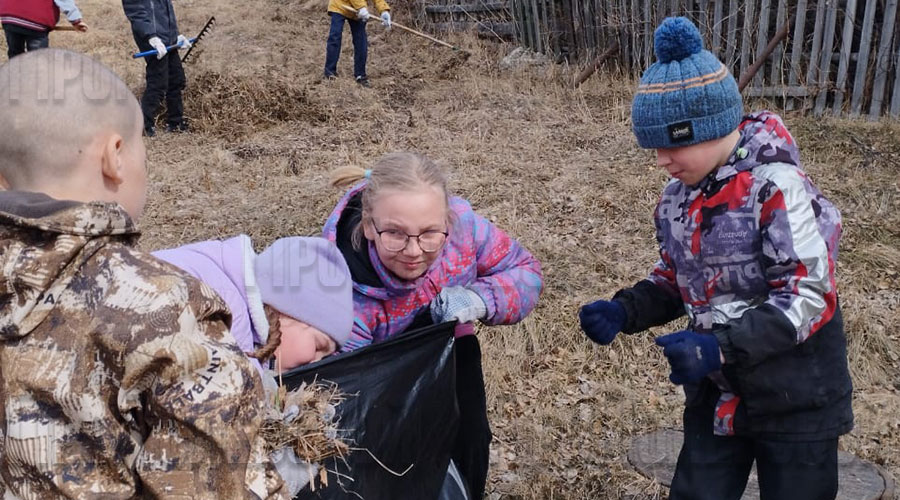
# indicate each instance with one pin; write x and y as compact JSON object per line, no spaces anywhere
{"x":343,"y":177}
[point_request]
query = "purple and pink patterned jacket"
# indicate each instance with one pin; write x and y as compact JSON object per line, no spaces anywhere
{"x":749,"y":255}
{"x":477,"y":255}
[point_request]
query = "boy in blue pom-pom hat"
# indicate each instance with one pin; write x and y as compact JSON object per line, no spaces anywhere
{"x":747,"y":250}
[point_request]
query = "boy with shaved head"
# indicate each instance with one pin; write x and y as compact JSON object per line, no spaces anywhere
{"x":118,"y":376}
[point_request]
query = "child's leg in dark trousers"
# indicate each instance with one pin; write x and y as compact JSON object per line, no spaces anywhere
{"x":18,"y":43}
{"x":177,"y":82}
{"x":797,"y":470}
{"x":333,"y":46}
{"x":360,"y":48}
{"x":710,"y":467}
{"x":472,"y":448}
{"x":157,"y":84}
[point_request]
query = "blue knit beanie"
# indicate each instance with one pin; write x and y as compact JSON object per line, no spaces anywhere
{"x":687,"y":96}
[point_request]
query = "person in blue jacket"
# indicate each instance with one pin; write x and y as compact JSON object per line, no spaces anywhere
{"x":747,"y":248}
{"x":154,"y":27}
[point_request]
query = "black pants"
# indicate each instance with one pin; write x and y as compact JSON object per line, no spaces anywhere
{"x":18,"y":43}
{"x":716,"y":467}
{"x":165,"y":79}
{"x":472,"y":449}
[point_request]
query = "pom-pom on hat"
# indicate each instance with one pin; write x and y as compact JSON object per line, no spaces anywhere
{"x":687,"y":96}
{"x":308,"y":279}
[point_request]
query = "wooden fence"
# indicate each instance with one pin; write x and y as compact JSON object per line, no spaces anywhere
{"x":840,"y":56}
{"x":487,"y":17}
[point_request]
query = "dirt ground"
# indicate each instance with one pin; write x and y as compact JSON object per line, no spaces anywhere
{"x":556,"y":168}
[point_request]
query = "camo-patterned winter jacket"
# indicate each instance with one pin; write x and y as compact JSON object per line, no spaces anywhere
{"x":118,"y":376}
{"x":749,"y":254}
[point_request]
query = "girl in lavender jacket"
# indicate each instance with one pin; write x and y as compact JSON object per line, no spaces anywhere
{"x":419,"y":256}
{"x":297,"y":288}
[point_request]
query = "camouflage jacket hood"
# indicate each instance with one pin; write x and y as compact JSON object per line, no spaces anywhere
{"x":24,"y":294}
{"x":118,"y":375}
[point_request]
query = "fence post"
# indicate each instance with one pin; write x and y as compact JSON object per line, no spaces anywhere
{"x":862,"y":60}
{"x":844,"y":63}
{"x":825,"y":67}
{"x":798,"y":37}
{"x":882,"y":59}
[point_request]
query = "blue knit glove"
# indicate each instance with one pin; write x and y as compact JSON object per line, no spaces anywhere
{"x":457,"y":303}
{"x":602,"y":320}
{"x":692,"y":355}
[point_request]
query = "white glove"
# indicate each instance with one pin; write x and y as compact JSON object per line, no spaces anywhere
{"x":295,"y":472}
{"x":160,"y":47}
{"x":457,"y":303}
{"x":183,"y":42}
{"x":386,"y":19}
{"x":362,"y":14}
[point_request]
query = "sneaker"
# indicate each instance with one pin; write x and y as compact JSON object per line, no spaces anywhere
{"x":363,"y":81}
{"x":327,"y":77}
{"x":177,"y":127}
{"x":150,"y":131}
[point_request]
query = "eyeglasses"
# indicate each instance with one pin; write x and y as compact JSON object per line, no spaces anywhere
{"x":396,"y":241}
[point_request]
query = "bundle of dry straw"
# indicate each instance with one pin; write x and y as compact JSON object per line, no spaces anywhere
{"x":314,"y":433}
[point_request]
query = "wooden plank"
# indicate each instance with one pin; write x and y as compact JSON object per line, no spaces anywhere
{"x":731,"y":43}
{"x":862,"y":61}
{"x":825,"y":66}
{"x":798,"y":36}
{"x":634,"y":25}
{"x":844,"y":62}
{"x":591,"y":29}
{"x":546,"y":25}
{"x":577,"y":33}
{"x":466,"y":8}
{"x":816,"y":49}
{"x":762,"y":39}
{"x":647,"y":32}
{"x":569,"y":30}
{"x":776,"y":75}
{"x":777,"y":91}
{"x":882,"y":59}
{"x":745,"y":35}
{"x":716,"y":46}
{"x":701,"y":14}
{"x":895,"y":97}
{"x":536,"y":21}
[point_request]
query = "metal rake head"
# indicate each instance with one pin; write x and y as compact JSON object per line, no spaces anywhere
{"x":206,"y":29}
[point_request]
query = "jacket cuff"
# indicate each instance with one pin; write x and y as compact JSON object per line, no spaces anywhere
{"x":726,"y":346}
{"x":73,"y":15}
{"x":630,"y":313}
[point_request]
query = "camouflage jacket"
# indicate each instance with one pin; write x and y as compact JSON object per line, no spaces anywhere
{"x":118,"y":375}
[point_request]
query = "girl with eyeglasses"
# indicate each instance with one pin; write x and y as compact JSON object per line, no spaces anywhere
{"x":418,"y":256}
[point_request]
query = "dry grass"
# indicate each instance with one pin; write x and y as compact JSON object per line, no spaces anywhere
{"x":314,"y":433}
{"x":556,"y":168}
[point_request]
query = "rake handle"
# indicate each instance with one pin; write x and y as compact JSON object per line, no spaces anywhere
{"x":153,"y":52}
{"x":424,"y":35}
{"x":416,"y":32}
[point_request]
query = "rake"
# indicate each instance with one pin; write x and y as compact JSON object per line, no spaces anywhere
{"x":205,"y":31}
{"x":466,"y":53}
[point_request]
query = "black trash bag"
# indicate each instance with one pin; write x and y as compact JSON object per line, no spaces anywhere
{"x":401,"y":408}
{"x":454,"y":487}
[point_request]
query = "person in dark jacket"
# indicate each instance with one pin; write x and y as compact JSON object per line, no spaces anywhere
{"x":154,"y":27}
{"x":27,"y":23}
{"x":748,"y":248}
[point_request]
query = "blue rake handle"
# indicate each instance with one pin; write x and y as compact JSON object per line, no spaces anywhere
{"x":153,"y":52}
